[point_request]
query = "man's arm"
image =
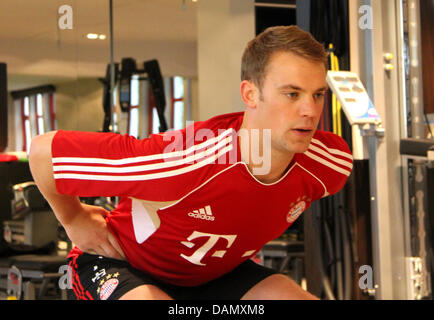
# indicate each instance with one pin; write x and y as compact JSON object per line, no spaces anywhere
{"x":64,"y":206}
{"x":84,"y":224}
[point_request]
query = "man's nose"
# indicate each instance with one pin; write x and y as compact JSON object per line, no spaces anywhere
{"x":309,"y":107}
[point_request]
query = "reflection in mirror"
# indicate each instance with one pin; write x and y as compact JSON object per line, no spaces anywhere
{"x":161,"y":31}
{"x":57,"y":56}
{"x":53,"y":68}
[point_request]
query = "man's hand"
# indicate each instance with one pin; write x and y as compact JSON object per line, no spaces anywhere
{"x":88,"y":231}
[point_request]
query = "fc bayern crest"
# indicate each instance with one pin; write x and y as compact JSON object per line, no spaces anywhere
{"x":295,"y":211}
{"x":107,"y":288}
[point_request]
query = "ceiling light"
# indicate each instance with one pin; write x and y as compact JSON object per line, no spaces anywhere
{"x":92,"y":36}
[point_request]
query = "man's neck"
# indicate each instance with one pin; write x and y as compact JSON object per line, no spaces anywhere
{"x":266,"y":163}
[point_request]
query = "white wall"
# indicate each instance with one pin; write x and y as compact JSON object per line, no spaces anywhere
{"x":79,"y":105}
{"x":224,"y":28}
{"x":12,"y":139}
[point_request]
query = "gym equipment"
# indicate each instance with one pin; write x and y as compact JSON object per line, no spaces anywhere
{"x":286,"y":256}
{"x":3,"y":108}
{"x":156,"y":80}
{"x":417,"y":148}
{"x":122,"y":77}
{"x":127,"y":70}
{"x":353,"y":97}
{"x":331,"y":255}
{"x":419,"y":156}
{"x":11,"y":173}
{"x":363,"y":117}
{"x":31,"y":277}
{"x":33,"y":223}
{"x":367,"y":134}
{"x":29,"y":267}
{"x":106,"y":101}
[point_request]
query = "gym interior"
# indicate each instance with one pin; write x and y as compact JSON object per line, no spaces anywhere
{"x":141,"y":67}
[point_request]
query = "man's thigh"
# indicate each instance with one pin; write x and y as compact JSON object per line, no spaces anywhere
{"x":145,"y":292}
{"x":231,"y":286}
{"x":278,"y":287}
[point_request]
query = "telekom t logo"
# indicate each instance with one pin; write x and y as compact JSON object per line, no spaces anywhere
{"x":198,"y":255}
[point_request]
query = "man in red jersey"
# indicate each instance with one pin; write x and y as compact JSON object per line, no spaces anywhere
{"x":196,"y":204}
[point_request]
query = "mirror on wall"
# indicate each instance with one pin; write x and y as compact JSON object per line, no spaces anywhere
{"x":160,"y":35}
{"x":58,"y":56}
{"x":52,"y":66}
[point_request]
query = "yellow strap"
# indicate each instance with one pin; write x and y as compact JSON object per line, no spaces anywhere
{"x":334,"y":110}
{"x":338,"y":108}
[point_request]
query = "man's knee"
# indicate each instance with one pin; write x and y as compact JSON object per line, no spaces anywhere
{"x":278,"y":287}
{"x":145,"y":292}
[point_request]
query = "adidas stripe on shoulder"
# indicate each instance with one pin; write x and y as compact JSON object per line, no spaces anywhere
{"x":335,"y":159}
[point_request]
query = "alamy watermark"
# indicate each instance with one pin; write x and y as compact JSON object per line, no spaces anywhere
{"x":65,"y":281}
{"x":65,"y":19}
{"x":204,"y":146}
{"x":365,"y":20}
{"x":366,"y":281}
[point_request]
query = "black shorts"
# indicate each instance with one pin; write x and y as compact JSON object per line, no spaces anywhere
{"x":99,"y":278}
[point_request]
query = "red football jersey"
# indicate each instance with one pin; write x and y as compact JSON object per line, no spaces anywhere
{"x":190,"y":209}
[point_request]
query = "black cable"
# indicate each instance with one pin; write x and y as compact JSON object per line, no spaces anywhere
{"x":346,"y":257}
{"x":353,"y":247}
{"x":324,"y":278}
{"x":339,"y":280}
{"x":329,"y":243}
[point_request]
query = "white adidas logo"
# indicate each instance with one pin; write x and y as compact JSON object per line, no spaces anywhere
{"x":202,"y":213}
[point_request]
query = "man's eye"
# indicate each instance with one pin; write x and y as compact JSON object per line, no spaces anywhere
{"x":292,"y":94}
{"x":319,"y":95}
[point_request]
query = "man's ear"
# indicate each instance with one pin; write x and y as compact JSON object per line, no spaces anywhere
{"x":249,"y":93}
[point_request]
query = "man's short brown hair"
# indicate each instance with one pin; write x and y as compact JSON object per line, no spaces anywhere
{"x":281,"y":38}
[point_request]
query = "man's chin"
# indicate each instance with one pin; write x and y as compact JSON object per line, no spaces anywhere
{"x":299,"y":147}
{"x":301,"y":150}
{"x":294,"y":145}
{"x":292,"y":149}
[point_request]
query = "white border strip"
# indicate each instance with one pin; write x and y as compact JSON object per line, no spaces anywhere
{"x":326,"y":193}
{"x":328,"y":155}
{"x":327,"y":163}
{"x":334,"y":151}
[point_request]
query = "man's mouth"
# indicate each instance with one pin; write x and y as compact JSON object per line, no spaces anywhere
{"x":303,"y":131}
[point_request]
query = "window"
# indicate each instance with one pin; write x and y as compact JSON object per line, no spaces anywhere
{"x":178,"y":102}
{"x":25,"y":116}
{"x":133,"y":119}
{"x":175,"y":115}
{"x":37,"y":114}
{"x":143,"y":117}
